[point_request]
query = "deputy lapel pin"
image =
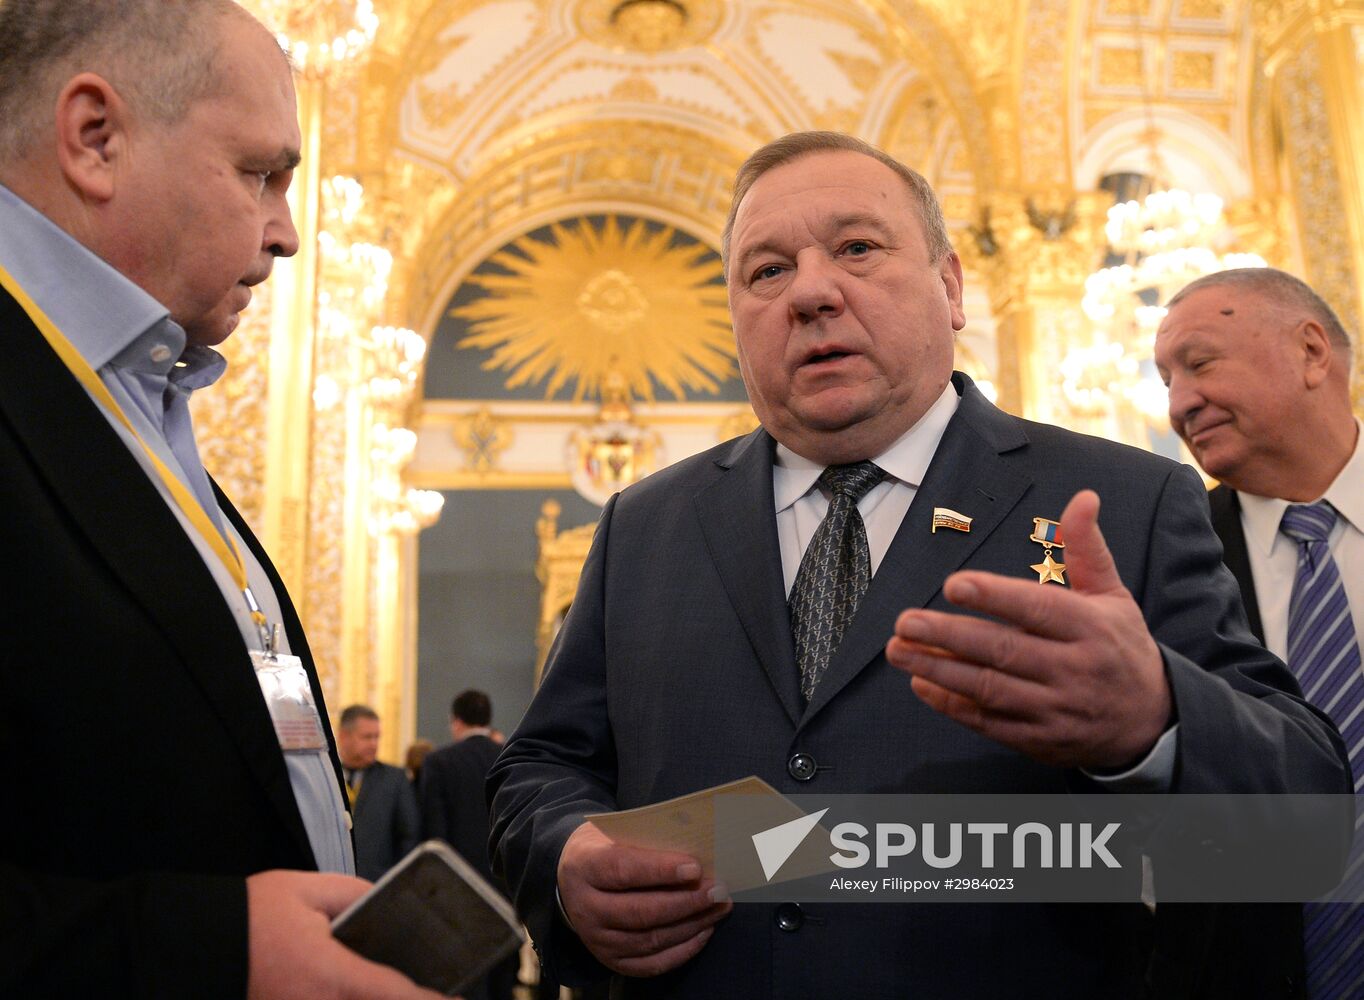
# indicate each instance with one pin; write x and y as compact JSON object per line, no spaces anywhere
{"x":1047,"y":533}
{"x":946,"y":517}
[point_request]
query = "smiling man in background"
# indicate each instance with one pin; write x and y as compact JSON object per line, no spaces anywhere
{"x":1258,"y":368}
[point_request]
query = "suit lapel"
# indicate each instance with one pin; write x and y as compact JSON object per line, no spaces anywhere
{"x":1225,"y":507}
{"x":113,"y":504}
{"x":738,"y":522}
{"x":968,"y":474}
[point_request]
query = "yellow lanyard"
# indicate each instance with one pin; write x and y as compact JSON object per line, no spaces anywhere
{"x":222,"y":546}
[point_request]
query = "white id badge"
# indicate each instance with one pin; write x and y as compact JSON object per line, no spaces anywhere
{"x":284,"y":683}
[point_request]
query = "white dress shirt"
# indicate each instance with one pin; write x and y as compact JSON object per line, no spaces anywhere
{"x":802,"y":503}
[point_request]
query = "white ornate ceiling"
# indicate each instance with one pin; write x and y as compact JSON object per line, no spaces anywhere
{"x":501,"y":72}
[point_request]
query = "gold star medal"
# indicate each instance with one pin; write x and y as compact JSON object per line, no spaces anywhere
{"x":1048,"y":535}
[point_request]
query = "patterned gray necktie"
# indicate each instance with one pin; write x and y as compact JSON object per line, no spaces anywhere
{"x":1323,"y":652}
{"x":833,"y":574}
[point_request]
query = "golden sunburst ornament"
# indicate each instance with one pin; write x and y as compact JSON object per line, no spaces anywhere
{"x":590,"y":301}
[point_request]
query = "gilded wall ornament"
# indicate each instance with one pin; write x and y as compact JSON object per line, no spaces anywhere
{"x":740,"y":422}
{"x":613,"y":452}
{"x":231,"y":415}
{"x":590,"y":301}
{"x":607,"y":457}
{"x":976,"y":23}
{"x":1193,"y":71}
{"x":1203,"y":10}
{"x":1326,"y":246}
{"x":1042,"y":123}
{"x":560,"y":564}
{"x":483,"y":438}
{"x":649,"y":25}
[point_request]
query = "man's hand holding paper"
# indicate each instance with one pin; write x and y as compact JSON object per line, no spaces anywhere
{"x":641,"y":912}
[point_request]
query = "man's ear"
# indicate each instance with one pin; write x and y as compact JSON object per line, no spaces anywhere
{"x":950,"y":269}
{"x":92,"y":123}
{"x":1317,"y":352}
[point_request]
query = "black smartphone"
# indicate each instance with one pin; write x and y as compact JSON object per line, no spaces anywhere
{"x":433,"y":918}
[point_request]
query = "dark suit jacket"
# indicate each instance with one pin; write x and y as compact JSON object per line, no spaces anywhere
{"x":144,"y":779}
{"x":674,"y":670}
{"x":1243,"y":951}
{"x":452,"y":799}
{"x":386,"y":823}
{"x":1225,"y":508}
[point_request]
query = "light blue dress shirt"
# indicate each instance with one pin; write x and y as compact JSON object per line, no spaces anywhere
{"x":139,"y":353}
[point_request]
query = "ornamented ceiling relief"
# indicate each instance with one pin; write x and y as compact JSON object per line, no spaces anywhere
{"x":489,"y":141}
{"x":480,"y":119}
{"x":501,"y":116}
{"x":510,"y":68}
{"x":982,"y":28}
{"x":511,"y":113}
{"x":1184,"y":66}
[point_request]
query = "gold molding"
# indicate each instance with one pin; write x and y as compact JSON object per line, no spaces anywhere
{"x":494,"y":479}
{"x":560,"y":564}
{"x":564,"y":172}
{"x":1035,"y":251}
{"x":449,"y":414}
{"x":289,"y":436}
{"x":592,"y":305}
{"x":648,"y":25}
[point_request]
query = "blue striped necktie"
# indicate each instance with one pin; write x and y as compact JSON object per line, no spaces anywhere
{"x":1323,"y":651}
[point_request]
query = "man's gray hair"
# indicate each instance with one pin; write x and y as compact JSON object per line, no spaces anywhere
{"x":158,"y":54}
{"x":1278,"y":287}
{"x":798,"y":144}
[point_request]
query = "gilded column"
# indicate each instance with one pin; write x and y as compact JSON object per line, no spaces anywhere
{"x":291,"y":361}
{"x":327,"y":40}
{"x":1313,"y":52}
{"x":1035,"y":252}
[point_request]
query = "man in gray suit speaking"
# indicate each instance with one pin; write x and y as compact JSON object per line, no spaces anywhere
{"x":781,"y":606}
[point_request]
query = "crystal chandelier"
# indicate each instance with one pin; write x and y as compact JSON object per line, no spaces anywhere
{"x":321,"y":35}
{"x":1166,"y":240}
{"x":1158,"y":243}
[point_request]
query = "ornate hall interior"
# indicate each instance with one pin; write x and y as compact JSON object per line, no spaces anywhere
{"x":509,"y":301}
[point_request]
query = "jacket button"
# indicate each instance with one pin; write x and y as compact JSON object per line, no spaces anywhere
{"x":790,"y":917}
{"x":801,"y":767}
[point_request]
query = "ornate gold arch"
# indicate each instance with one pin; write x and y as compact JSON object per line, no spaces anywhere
{"x":671,"y":174}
